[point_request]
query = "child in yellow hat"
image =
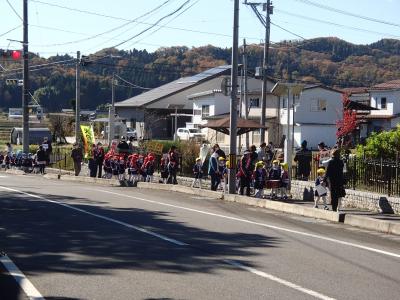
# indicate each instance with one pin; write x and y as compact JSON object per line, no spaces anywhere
{"x":320,"y":188}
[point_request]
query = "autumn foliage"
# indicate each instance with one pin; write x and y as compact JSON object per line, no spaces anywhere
{"x":349,"y":123}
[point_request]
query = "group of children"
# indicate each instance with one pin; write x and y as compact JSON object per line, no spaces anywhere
{"x":275,"y":177}
{"x":139,"y":167}
{"x":20,"y":161}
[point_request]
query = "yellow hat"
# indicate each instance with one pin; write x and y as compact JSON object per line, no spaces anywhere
{"x":197,"y":159}
{"x":285,"y":166}
{"x":221,"y":158}
{"x":260,"y":164}
{"x":321,"y":171}
{"x":275,"y":161}
{"x":228,"y":164}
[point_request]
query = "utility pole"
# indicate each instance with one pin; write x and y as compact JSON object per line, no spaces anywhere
{"x":25,"y":91}
{"x":246,"y":102}
{"x":268,"y":9}
{"x":111,"y":113}
{"x":233,"y":107}
{"x":78,"y":98}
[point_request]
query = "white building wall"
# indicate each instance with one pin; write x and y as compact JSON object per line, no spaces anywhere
{"x":313,"y":135}
{"x":392,"y":102}
{"x":305,"y":110}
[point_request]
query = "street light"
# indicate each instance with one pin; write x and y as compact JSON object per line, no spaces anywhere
{"x":176,"y":107}
{"x":281,"y":89}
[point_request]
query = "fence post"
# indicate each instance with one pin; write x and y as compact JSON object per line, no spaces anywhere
{"x":354,"y":172}
{"x":397,"y":173}
{"x":65,"y":161}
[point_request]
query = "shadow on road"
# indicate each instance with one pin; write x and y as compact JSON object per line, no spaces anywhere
{"x":42,"y":237}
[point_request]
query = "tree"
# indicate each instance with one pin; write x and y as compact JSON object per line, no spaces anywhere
{"x":349,"y":123}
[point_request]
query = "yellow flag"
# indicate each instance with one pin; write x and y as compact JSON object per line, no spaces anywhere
{"x":88,"y":139}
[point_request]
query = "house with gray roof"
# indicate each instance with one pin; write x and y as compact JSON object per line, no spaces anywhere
{"x":152,"y":113}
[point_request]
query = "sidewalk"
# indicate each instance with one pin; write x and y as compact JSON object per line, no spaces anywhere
{"x":386,"y":223}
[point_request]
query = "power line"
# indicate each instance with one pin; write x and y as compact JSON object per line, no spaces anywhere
{"x":43,"y":65}
{"x":132,"y":84}
{"x":139,"y":22}
{"x":13,"y":9}
{"x":347,"y":13}
{"x":10,"y":30}
{"x":155,"y":24}
{"x":334,"y":24}
{"x":288,"y":31}
{"x":108,"y":31}
{"x":163,"y":26}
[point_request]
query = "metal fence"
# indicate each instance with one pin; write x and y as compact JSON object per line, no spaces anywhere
{"x":361,"y":173}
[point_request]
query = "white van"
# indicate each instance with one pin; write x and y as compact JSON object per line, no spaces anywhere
{"x":187,"y":134}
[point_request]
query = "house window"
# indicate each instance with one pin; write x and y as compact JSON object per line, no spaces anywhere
{"x":254,"y":102}
{"x":256,"y":137}
{"x":205,"y":111}
{"x":383,"y":103}
{"x":318,"y":105}
{"x":197,"y":112}
{"x":133,"y":123}
{"x":284,"y":102}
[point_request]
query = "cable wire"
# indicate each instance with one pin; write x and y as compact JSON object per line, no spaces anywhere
{"x":105,"y":32}
{"x":10,"y":30}
{"x":155,"y":24}
{"x":13,"y":9}
{"x":347,"y":13}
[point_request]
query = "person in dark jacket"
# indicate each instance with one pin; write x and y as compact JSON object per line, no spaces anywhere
{"x":92,"y":162}
{"x":303,"y":158}
{"x":48,"y":149}
{"x":77,"y":156}
{"x":246,"y":172}
{"x":335,"y":178}
{"x":173,"y":164}
{"x":219,"y":151}
{"x":98,"y":156}
{"x":41,"y":159}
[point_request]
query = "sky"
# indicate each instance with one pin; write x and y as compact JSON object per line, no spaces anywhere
{"x":54,"y":30}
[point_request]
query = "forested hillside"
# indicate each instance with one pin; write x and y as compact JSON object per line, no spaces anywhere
{"x":331,"y":61}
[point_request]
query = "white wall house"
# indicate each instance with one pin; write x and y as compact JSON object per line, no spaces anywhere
{"x":316,"y":112}
{"x":213,"y":103}
{"x":386,"y":98}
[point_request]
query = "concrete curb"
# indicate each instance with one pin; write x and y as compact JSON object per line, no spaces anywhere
{"x":15,"y":172}
{"x":287,"y":208}
{"x":180,"y":189}
{"x":269,"y":204}
{"x":101,"y":181}
{"x":372,"y":224}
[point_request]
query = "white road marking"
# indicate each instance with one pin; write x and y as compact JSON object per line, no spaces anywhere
{"x":2,"y":176}
{"x":316,"y":236}
{"x":176,"y":242}
{"x":101,"y":217}
{"x":24,"y":283}
{"x":278,"y":280}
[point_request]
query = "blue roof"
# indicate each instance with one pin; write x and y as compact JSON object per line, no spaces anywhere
{"x":172,"y":87}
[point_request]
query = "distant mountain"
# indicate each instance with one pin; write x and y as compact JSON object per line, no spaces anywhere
{"x":331,"y":61}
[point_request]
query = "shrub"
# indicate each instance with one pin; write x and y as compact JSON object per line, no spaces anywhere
{"x":385,"y":144}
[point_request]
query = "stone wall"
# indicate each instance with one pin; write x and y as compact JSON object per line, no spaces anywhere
{"x":304,"y":190}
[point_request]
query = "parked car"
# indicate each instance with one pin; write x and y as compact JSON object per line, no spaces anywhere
{"x":189,"y":134}
{"x":131,"y":133}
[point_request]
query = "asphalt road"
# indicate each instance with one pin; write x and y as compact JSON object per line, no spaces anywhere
{"x":66,"y":240}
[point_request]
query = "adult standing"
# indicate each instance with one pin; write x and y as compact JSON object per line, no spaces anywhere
{"x":253,"y":154}
{"x":261,"y":152}
{"x":246,"y":172}
{"x":324,"y":155}
{"x":9,"y":149}
{"x":92,"y":162}
{"x":303,"y":158}
{"x":99,"y":158}
{"x":123,"y":145}
{"x":47,"y":147}
{"x":77,"y":156}
{"x":213,"y":170}
{"x":335,"y":178}
{"x":172,"y":166}
{"x":41,"y":159}
{"x":219,"y":151}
